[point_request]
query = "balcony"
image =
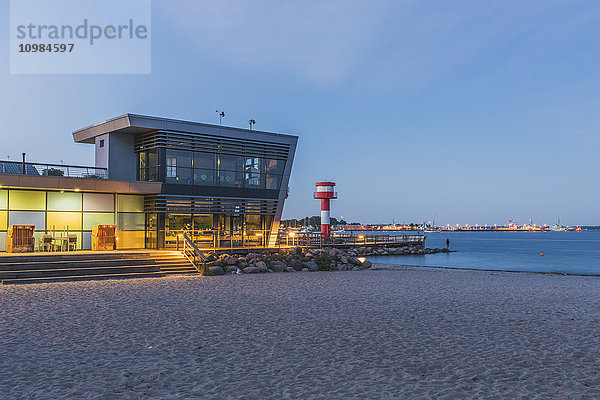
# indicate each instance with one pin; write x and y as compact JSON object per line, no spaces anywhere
{"x":58,"y":170}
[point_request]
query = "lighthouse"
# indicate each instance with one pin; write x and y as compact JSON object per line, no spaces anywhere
{"x":325,"y":192}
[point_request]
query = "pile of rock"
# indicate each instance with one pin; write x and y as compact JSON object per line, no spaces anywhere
{"x":301,"y":259}
{"x":389,"y":251}
{"x":293,"y":260}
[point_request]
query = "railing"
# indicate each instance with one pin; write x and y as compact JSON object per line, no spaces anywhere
{"x":60,"y":170}
{"x":213,"y":239}
{"x":313,"y":239}
{"x":194,"y":255}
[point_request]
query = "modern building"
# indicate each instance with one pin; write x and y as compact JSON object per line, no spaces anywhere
{"x":157,"y":178}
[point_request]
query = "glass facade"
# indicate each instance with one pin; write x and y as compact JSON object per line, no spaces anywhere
{"x":210,"y":169}
{"x":148,"y":166}
{"x":62,"y":212}
{"x":222,"y":191}
{"x":211,"y":230}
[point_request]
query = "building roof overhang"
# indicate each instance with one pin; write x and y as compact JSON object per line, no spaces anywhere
{"x":135,"y":124}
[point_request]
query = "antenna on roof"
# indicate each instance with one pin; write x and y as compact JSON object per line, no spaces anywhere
{"x":251,"y":122}
{"x":221,"y":115}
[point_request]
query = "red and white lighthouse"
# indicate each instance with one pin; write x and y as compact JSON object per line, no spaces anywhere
{"x":325,"y":192}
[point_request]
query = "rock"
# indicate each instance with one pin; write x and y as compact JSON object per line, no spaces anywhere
{"x":262,"y":267}
{"x":297,"y":265}
{"x":231,"y":261}
{"x":355,"y":269}
{"x":365,"y":265}
{"x":278,"y":266}
{"x":344,"y":259}
{"x":229,"y":268}
{"x":312,"y":266}
{"x":251,"y":270}
{"x":354,"y":261}
{"x":215,"y":271}
{"x":304,"y":269}
{"x":289,"y":269}
{"x":242,"y":264}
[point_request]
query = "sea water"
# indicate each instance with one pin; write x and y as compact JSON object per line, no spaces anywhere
{"x":563,"y":252}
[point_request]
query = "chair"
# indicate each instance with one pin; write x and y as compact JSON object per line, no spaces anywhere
{"x":72,"y":242}
{"x":46,"y":242}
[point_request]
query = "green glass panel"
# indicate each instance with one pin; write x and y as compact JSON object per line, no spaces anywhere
{"x":130,"y":203}
{"x":67,"y":201}
{"x":92,"y":219}
{"x":131,"y":221}
{"x":30,"y":200}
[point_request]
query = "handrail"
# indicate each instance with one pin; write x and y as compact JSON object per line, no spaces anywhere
{"x":46,"y":169}
{"x":345,"y":239}
{"x":190,"y":246}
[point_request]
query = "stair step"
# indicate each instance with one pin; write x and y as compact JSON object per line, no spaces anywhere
{"x":68,"y":267}
{"x":84,"y":278}
{"x":77,"y":272}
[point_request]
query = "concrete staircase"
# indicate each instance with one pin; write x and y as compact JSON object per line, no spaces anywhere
{"x":76,"y":266}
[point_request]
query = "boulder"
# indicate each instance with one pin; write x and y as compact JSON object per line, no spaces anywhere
{"x":289,"y":269}
{"x":297,"y":265}
{"x":365,"y":265}
{"x":262,"y":267}
{"x":251,"y":270}
{"x":215,"y":271}
{"x":278,"y":266}
{"x":229,"y":268}
{"x":311,"y":265}
{"x":354,"y":261}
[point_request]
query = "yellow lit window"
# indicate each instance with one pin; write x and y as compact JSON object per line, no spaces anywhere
{"x":27,"y":200}
{"x":64,"y":220}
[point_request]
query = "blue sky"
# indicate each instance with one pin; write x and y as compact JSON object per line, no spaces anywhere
{"x":469,"y":111}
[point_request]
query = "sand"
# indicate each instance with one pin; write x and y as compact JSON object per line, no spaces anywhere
{"x":406,"y":333}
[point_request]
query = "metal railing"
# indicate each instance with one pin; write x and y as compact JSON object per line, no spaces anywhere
{"x":194,"y":255}
{"x":59,"y":170}
{"x":314,"y":239}
{"x":212,"y":239}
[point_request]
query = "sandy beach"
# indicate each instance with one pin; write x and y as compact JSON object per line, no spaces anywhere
{"x":407,"y":333}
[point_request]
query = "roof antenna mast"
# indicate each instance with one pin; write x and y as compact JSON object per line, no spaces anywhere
{"x":221,"y":116}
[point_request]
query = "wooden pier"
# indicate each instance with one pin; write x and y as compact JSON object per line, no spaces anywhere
{"x":344,"y":240}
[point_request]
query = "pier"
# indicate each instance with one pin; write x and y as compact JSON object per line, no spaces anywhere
{"x":345,"y":240}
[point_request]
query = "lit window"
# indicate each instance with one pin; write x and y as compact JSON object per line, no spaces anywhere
{"x":172,"y":167}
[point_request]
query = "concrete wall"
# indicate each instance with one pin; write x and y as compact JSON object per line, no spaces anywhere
{"x":121,"y":157}
{"x":101,"y":152}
